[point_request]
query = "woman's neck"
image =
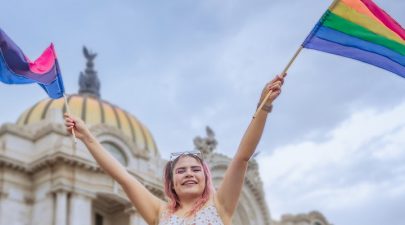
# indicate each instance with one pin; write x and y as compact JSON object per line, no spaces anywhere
{"x":188,"y":203}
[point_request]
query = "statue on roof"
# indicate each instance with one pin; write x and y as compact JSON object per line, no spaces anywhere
{"x":208,"y":144}
{"x":88,"y":81}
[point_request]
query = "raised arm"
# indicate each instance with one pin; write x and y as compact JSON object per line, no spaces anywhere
{"x":144,"y":201}
{"x":231,"y":186}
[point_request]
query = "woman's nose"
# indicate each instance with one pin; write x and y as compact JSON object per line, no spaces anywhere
{"x":189,"y":173}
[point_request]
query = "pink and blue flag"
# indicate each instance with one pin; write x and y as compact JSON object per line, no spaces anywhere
{"x":16,"y":68}
{"x":360,"y":30}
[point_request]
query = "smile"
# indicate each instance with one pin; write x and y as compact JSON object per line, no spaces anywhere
{"x":188,"y":182}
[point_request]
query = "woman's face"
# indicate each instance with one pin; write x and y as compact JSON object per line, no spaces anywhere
{"x":188,"y":177}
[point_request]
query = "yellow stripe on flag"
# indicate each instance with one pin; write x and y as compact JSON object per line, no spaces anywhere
{"x":372,"y":25}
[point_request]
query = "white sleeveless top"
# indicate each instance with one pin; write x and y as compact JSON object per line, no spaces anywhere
{"x":206,"y":216}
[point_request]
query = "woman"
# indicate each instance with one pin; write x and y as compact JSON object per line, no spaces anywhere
{"x":187,"y":180}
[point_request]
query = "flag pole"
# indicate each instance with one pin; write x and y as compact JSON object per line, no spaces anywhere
{"x":68,"y":111}
{"x":332,"y":5}
{"x":282,"y":74}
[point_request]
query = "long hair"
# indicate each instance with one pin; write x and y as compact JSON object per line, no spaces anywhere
{"x":173,"y":199}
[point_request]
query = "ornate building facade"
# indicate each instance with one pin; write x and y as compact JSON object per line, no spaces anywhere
{"x":312,"y":218}
{"x":48,"y":179}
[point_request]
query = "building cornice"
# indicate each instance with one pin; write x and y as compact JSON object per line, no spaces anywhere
{"x":33,"y":132}
{"x":10,"y":128}
{"x":37,"y":131}
{"x":74,"y":161}
{"x":46,"y":161}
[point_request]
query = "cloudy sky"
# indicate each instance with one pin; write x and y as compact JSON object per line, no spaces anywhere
{"x":334,"y":141}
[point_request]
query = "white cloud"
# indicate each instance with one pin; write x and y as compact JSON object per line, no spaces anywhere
{"x":355,"y":164}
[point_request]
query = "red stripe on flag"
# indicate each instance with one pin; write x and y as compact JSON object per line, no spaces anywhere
{"x":385,"y":18}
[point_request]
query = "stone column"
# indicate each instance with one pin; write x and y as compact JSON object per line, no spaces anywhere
{"x":43,"y":209}
{"x":61,"y":208}
{"x":3,"y":196}
{"x":80,"y":210}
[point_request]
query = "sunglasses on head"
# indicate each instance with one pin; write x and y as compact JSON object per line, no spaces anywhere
{"x":175,"y":155}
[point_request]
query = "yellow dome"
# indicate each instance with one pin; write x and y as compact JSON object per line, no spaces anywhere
{"x":93,"y":111}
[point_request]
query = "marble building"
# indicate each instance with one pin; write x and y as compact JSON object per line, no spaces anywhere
{"x":48,"y":179}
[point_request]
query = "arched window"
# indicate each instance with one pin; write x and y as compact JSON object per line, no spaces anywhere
{"x":318,"y":223}
{"x":116,"y":152}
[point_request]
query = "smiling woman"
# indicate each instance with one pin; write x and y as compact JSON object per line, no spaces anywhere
{"x":186,"y":177}
{"x":187,"y":180}
{"x":187,"y":173}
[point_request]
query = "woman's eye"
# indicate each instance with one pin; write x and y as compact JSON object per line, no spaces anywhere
{"x":180,"y":171}
{"x":196,"y":170}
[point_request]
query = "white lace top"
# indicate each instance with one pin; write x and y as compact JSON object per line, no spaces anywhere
{"x":206,"y":216}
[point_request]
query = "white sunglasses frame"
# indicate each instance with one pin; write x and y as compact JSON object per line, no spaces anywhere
{"x":175,"y":155}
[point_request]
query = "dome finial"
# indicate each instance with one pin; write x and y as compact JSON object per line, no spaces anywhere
{"x":89,"y":84}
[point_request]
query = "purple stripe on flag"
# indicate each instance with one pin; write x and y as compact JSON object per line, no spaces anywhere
{"x":55,"y":89}
{"x":8,"y":77}
{"x":17,"y":63}
{"x":355,"y":53}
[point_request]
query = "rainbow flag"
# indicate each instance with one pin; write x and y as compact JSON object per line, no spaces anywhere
{"x":16,"y":68}
{"x":360,"y":30}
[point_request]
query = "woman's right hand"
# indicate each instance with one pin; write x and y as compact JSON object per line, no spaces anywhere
{"x":73,"y":123}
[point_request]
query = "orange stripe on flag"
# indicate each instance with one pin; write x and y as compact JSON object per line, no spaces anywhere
{"x":361,"y":8}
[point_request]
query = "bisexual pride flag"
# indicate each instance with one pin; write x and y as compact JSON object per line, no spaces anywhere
{"x":16,"y":68}
{"x":360,"y":30}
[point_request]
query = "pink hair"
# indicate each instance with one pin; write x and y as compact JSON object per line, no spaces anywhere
{"x":173,"y":199}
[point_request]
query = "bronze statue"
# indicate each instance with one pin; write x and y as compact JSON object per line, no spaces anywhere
{"x":88,"y":81}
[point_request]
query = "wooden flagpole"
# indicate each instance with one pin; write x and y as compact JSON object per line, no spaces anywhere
{"x":282,"y":74}
{"x":68,"y":111}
